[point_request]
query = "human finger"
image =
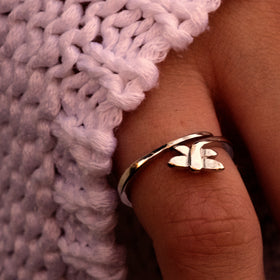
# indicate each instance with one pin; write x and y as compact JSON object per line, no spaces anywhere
{"x":248,"y":83}
{"x":203,"y":226}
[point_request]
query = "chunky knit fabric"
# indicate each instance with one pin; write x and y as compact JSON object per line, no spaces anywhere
{"x":68,"y":69}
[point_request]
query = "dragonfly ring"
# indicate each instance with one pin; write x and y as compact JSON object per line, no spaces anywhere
{"x":194,"y":153}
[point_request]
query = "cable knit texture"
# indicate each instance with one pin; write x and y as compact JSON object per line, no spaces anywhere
{"x":68,"y":69}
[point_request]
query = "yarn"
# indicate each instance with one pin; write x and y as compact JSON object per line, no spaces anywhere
{"x":68,"y":69}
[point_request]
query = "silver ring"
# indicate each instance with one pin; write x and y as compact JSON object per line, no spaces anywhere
{"x":196,"y":155}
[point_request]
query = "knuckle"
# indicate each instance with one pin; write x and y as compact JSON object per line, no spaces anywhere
{"x":214,"y":247}
{"x":211,"y":225}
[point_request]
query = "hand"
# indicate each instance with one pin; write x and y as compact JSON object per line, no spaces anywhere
{"x":204,"y":226}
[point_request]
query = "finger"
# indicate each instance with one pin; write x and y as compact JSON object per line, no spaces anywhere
{"x":250,"y":88}
{"x":203,"y":226}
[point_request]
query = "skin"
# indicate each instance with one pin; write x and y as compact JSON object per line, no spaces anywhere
{"x":204,"y":226}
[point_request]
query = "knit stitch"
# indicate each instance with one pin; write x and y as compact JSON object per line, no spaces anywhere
{"x":68,"y":69}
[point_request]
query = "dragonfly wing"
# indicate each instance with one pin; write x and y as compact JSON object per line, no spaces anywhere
{"x":212,"y":164}
{"x":185,"y":150}
{"x":208,"y":153}
{"x":179,"y":161}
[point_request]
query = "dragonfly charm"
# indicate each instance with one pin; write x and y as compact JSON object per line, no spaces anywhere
{"x":196,"y":157}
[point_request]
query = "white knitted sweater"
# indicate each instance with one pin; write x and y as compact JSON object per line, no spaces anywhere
{"x":68,"y":69}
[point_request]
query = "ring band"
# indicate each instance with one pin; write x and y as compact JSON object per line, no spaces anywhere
{"x":196,"y":156}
